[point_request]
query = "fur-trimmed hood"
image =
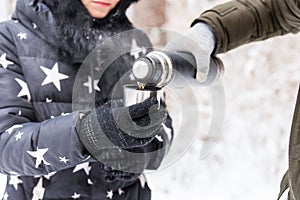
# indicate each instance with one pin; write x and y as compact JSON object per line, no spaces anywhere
{"x":67,"y":25}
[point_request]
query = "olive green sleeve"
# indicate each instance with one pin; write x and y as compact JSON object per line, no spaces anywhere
{"x":242,"y":21}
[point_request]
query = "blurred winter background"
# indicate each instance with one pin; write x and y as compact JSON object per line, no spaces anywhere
{"x":260,"y":83}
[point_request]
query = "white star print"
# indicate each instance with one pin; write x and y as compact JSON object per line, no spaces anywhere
{"x":76,"y":196}
{"x":143,"y":180}
{"x":14,"y":173}
{"x":64,"y":114}
{"x":159,"y":138}
{"x":81,"y":115}
{"x":5,"y":197}
{"x":84,"y":166}
{"x":91,"y":84}
{"x":24,"y":89}
{"x":48,"y":176}
{"x":39,"y":155}
{"x":34,"y":26}
{"x":86,"y":158}
{"x":22,"y":36}
{"x":61,"y":114}
{"x":9,"y":131}
{"x":136,"y":50}
{"x":90,"y":182}
{"x":48,"y":100}
{"x":38,"y":190}
{"x":4,"y":62}
{"x":109,"y":194}
{"x":20,"y":112}
{"x":53,"y":76}
{"x":63,"y":159}
{"x":120,"y":191}
{"x":14,"y":180}
{"x":19,"y":136}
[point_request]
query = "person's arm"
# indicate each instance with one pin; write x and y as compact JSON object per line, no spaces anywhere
{"x":242,"y":21}
{"x":29,"y":147}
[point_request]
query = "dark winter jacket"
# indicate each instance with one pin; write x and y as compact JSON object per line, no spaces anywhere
{"x":238,"y":22}
{"x":41,"y":53}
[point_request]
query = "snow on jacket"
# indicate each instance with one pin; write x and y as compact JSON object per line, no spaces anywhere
{"x":40,"y":150}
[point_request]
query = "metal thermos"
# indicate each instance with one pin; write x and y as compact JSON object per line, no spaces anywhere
{"x":157,"y":67}
{"x":155,"y":70}
{"x":134,"y":95}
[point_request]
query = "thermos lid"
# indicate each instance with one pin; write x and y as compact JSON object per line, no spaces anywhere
{"x":142,"y":70}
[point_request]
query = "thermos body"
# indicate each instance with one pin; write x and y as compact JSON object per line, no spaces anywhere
{"x":134,"y":95}
{"x":158,"y":67}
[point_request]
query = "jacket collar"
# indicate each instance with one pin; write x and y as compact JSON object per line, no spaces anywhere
{"x":42,"y":14}
{"x":35,"y":15}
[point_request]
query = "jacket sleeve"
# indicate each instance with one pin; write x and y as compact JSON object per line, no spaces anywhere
{"x":239,"y":22}
{"x":29,"y":147}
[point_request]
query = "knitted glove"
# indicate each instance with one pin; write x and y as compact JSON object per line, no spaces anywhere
{"x":133,"y":126}
{"x":116,"y":136}
{"x":199,"y":40}
{"x":158,"y":147}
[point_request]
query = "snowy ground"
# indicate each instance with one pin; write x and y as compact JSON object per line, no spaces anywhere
{"x":260,"y":82}
{"x":2,"y":185}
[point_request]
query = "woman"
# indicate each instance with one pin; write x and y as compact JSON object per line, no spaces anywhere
{"x":42,"y":49}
